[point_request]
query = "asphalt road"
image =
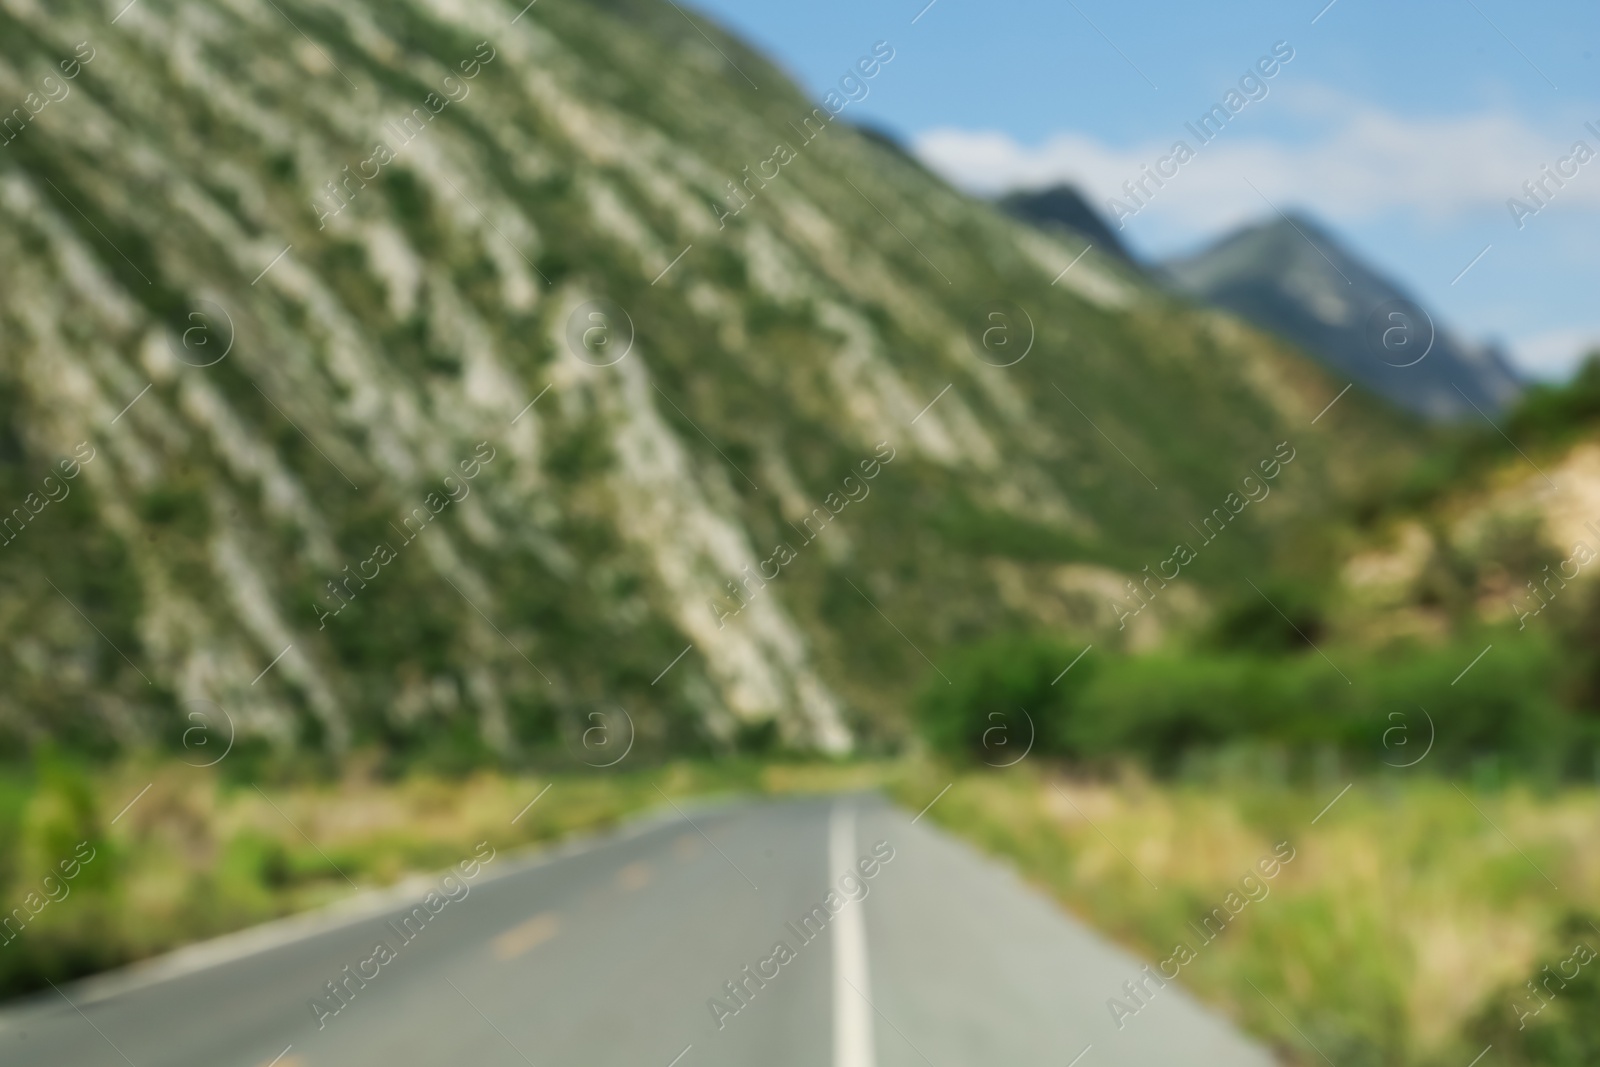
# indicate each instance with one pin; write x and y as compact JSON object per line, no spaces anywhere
{"x":608,"y":955}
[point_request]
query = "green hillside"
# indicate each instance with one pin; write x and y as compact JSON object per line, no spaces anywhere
{"x":312,"y":284}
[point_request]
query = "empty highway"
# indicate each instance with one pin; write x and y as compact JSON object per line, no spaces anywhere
{"x":683,"y":941}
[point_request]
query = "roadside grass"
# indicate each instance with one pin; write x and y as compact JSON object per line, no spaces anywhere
{"x":1402,"y":931}
{"x":200,"y":854}
{"x":1407,"y":921}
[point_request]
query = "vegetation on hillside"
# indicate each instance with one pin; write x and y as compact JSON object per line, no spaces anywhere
{"x":229,"y":508}
{"x":1299,"y":670}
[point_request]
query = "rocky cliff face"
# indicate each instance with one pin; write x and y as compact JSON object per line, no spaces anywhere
{"x":441,"y":372}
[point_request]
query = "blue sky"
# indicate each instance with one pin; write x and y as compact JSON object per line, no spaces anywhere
{"x":1405,"y":128}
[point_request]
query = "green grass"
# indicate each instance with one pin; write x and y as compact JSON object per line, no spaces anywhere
{"x":1398,"y":934}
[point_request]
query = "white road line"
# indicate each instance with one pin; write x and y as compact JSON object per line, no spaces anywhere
{"x":852,"y":1014}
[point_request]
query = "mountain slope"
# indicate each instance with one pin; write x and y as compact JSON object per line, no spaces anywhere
{"x":433,"y":385}
{"x":1064,"y":207}
{"x":1289,"y":276}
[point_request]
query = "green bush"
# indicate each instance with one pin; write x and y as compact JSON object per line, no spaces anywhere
{"x":55,"y":825}
{"x":1374,"y":708}
{"x":1505,"y":707}
{"x":1554,"y":413}
{"x":995,"y":690}
{"x":1161,"y":706}
{"x":1290,"y":621}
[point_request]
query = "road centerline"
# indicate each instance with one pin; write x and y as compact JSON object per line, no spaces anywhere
{"x":852,"y":1015}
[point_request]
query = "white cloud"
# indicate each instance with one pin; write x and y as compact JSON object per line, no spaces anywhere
{"x":1554,"y":355}
{"x":1360,"y":163}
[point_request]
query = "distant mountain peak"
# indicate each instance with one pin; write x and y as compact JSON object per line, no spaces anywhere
{"x":1290,"y":275}
{"x":1065,"y":207}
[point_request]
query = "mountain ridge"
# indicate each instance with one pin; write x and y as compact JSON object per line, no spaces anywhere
{"x":1064,"y":206}
{"x":1276,"y":274}
{"x":1265,"y":272}
{"x":542,"y":289}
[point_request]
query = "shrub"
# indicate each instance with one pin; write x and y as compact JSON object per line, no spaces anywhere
{"x":1559,"y":412}
{"x":1291,"y":621}
{"x":1373,"y":707}
{"x":975,"y":712}
{"x":1160,"y":706}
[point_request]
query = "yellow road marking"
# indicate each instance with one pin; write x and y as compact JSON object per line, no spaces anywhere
{"x":635,"y":875}
{"x":526,"y":936}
